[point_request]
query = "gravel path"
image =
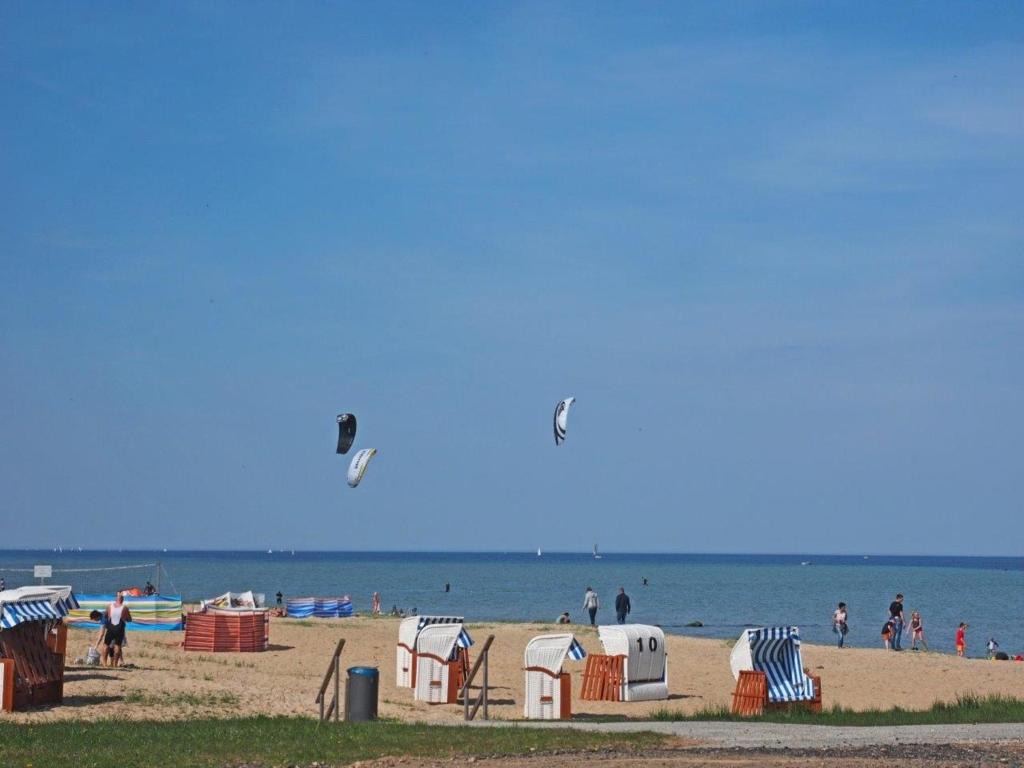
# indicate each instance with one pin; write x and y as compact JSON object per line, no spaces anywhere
{"x":774,"y":735}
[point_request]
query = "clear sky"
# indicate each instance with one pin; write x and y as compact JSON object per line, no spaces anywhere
{"x":776,"y":250}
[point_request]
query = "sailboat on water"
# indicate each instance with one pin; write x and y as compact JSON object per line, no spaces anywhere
{"x":539,"y":553}
{"x":596,"y":555}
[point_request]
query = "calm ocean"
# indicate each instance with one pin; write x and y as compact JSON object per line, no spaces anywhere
{"x":724,"y":592}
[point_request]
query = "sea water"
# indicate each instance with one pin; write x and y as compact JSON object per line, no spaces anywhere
{"x":723,"y":592}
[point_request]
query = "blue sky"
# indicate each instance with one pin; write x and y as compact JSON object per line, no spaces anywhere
{"x":774,"y":249}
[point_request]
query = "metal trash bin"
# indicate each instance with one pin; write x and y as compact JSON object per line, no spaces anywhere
{"x":361,"y":694}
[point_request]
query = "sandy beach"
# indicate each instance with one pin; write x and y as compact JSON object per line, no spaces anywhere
{"x":163,"y":681}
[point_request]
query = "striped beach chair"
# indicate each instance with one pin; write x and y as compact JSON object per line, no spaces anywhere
{"x":769,"y":672}
{"x":32,"y":644}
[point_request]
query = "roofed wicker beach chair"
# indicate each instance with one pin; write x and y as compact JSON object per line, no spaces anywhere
{"x":405,"y":652}
{"x":769,"y":672}
{"x":32,"y":645}
{"x":548,"y":688}
{"x":441,"y":662}
{"x":634,"y":666}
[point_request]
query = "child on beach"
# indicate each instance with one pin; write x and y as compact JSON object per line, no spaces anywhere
{"x":887,"y":634}
{"x":993,"y":647}
{"x":917,"y":631}
{"x":961,"y":639}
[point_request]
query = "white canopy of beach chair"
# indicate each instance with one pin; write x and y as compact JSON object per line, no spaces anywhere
{"x":646,"y":668}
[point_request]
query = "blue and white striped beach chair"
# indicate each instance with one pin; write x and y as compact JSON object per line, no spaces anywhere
{"x":775,"y":651}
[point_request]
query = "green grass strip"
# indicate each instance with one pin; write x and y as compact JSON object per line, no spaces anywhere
{"x":276,"y":741}
{"x":968,"y":708}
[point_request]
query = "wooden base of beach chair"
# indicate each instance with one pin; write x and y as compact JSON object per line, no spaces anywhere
{"x":751,"y":696}
{"x":38,"y":672}
{"x":602,"y":678}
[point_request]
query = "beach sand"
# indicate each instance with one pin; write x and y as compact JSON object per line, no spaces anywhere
{"x":165,"y":682}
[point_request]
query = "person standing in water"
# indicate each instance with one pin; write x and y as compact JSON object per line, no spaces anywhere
{"x":591,"y":604}
{"x":839,"y":624}
{"x":622,"y":606}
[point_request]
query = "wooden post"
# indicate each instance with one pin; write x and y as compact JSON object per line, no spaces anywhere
{"x":486,"y":656}
{"x":337,"y":687}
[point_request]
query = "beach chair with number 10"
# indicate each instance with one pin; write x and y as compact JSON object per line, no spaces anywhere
{"x":769,"y":672}
{"x":634,"y":666}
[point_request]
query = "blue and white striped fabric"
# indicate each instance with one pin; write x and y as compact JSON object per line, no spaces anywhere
{"x":464,"y":640}
{"x":776,"y":652}
{"x":300,"y":607}
{"x":426,"y":621}
{"x":576,"y":651}
{"x":14,"y":614}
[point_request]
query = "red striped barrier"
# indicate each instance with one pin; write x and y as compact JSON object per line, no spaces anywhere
{"x":244,"y":632}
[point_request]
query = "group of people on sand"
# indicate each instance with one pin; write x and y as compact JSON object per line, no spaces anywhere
{"x":112,"y":637}
{"x":892,"y":630}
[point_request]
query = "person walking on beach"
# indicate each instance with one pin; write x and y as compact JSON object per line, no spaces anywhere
{"x":591,"y":604}
{"x":622,"y":606}
{"x":961,"y":639}
{"x":887,"y":634}
{"x":839,"y":624}
{"x":917,"y":631}
{"x":118,"y":615}
{"x":896,"y":614}
{"x":375,"y":604}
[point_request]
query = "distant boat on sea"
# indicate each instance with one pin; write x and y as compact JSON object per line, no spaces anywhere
{"x":806,"y":562}
{"x":270,"y":551}
{"x":596,"y":556}
{"x":539,"y":553}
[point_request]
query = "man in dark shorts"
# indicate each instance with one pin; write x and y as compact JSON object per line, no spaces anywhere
{"x":118,"y":616}
{"x":896,"y":614}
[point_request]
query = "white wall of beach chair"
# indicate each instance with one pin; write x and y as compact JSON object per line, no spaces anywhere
{"x":646,"y":668}
{"x":408,"y":630}
{"x":434,"y":647}
{"x":548,"y":691}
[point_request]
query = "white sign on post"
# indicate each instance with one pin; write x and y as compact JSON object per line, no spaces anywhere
{"x":43,"y":571}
